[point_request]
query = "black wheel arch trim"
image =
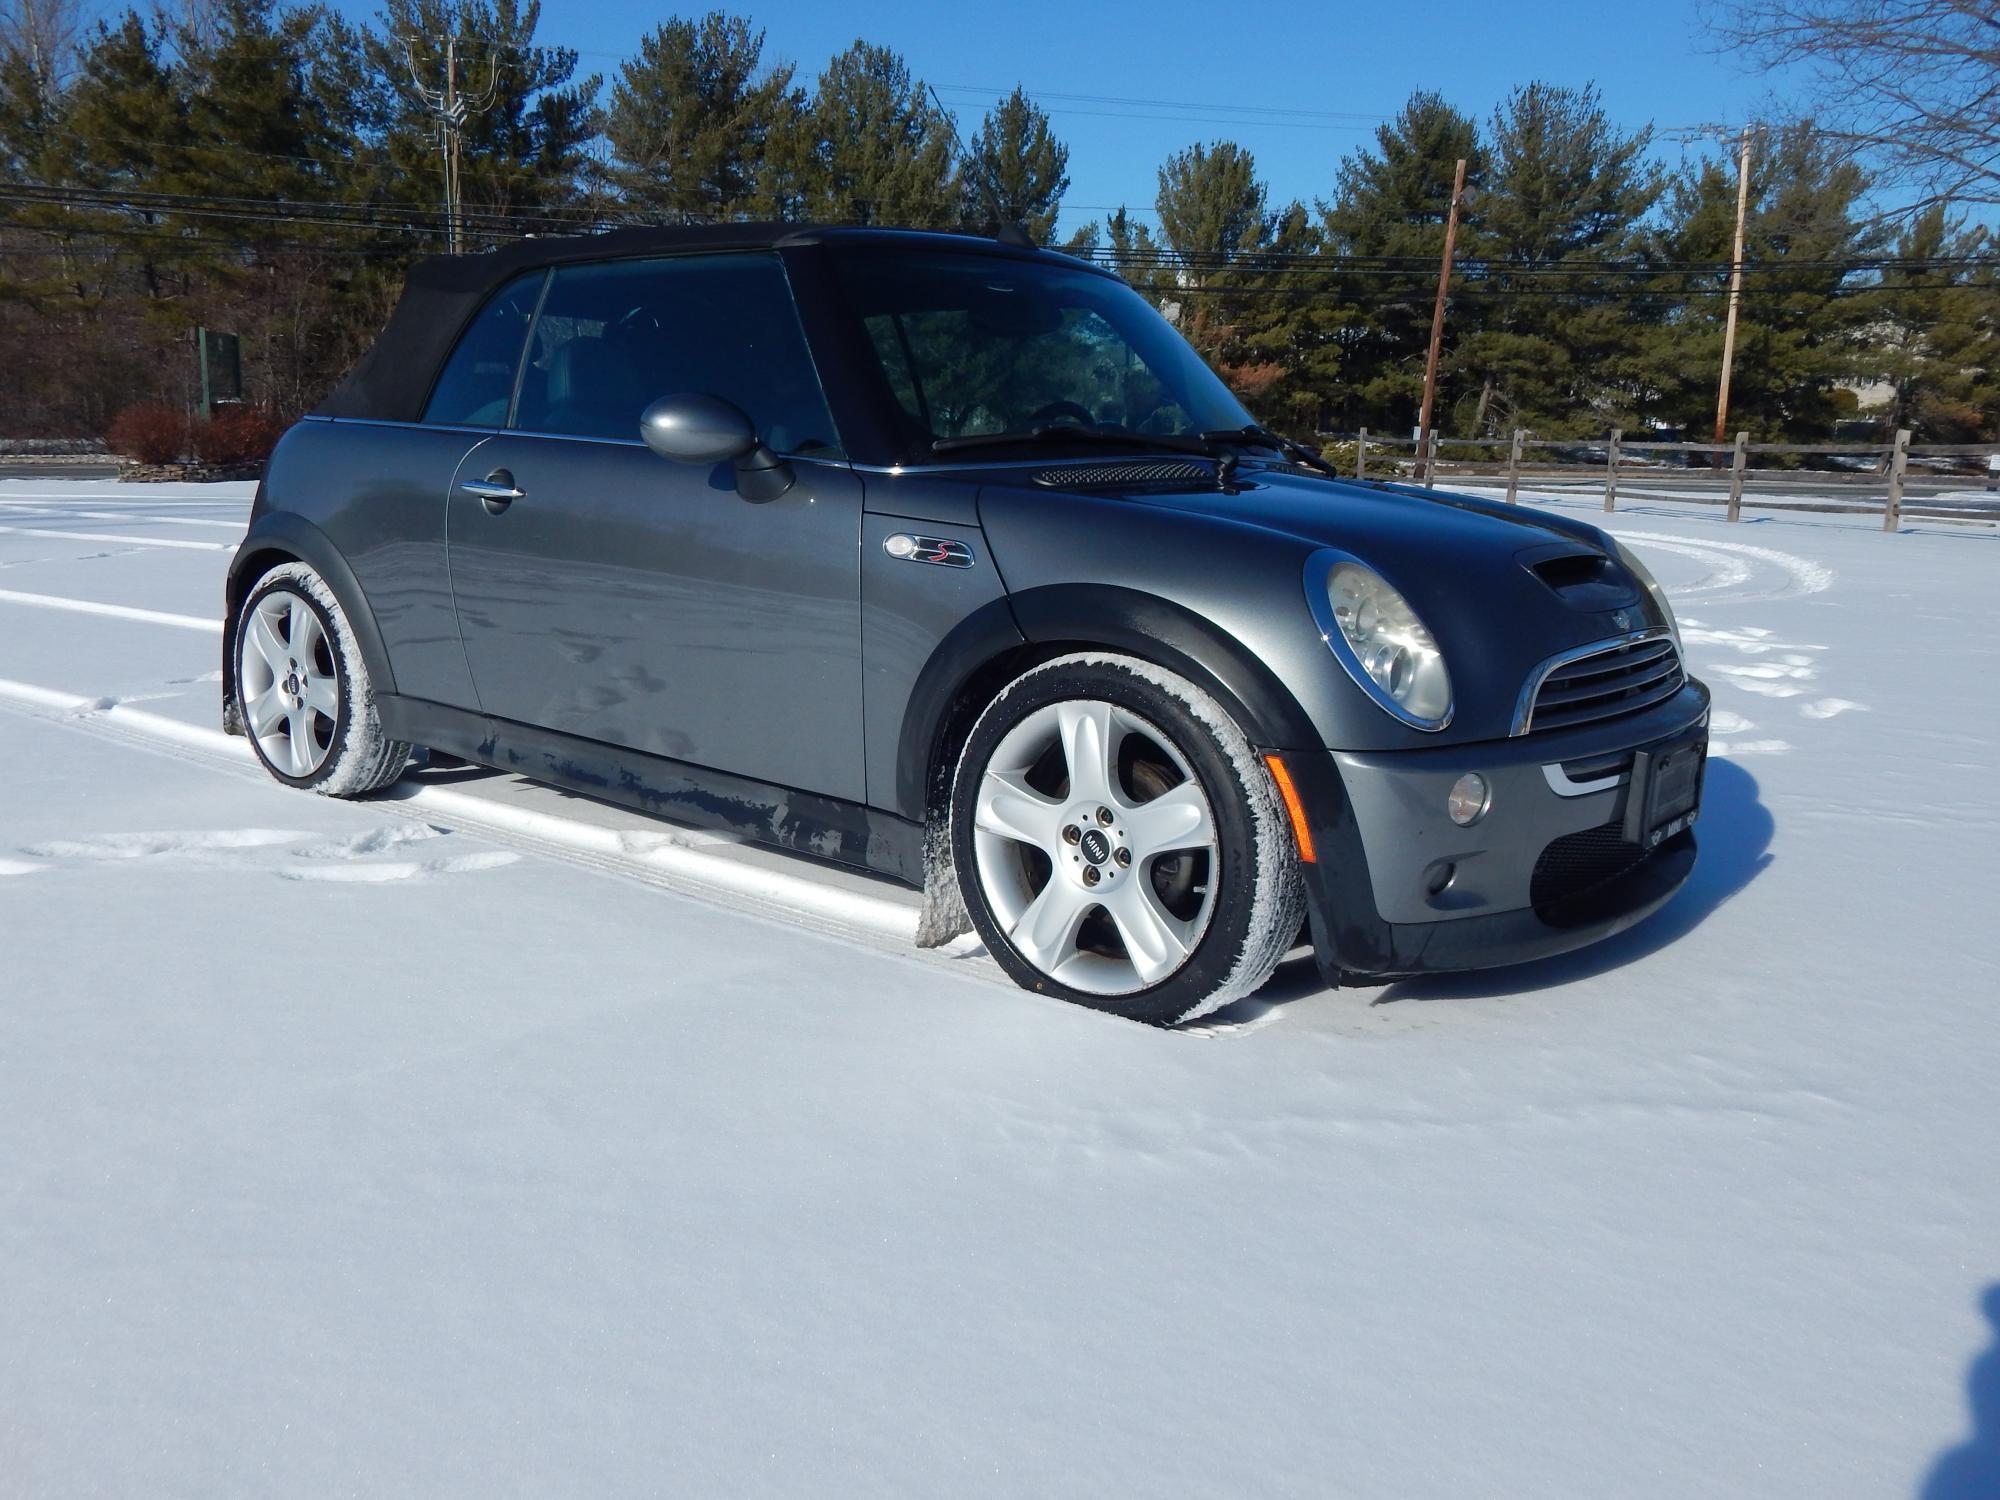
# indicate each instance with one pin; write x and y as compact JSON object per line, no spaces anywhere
{"x":1004,"y":635}
{"x":276,"y":535}
{"x":1173,"y":636}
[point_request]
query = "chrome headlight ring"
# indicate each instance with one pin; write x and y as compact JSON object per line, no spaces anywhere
{"x":1375,"y":634}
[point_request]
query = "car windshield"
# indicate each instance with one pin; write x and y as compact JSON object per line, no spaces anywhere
{"x":974,"y":345}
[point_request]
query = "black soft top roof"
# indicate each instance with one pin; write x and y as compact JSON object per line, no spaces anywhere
{"x":441,"y":294}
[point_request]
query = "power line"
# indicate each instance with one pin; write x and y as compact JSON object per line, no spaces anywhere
{"x":383,"y":215}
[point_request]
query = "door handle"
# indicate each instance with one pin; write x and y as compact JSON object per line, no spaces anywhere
{"x":496,"y":491}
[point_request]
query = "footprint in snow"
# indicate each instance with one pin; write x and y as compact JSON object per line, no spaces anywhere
{"x":381,"y":871}
{"x":162,"y":845}
{"x":289,"y":854}
{"x":1751,"y":640}
{"x":1827,"y":708}
{"x":374,"y":841}
{"x":1766,"y":679}
{"x":1726,"y":721}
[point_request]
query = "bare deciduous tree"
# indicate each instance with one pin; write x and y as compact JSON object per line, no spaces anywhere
{"x":44,"y":35}
{"x":1911,"y":85}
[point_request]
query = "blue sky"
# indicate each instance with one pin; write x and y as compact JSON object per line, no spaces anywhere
{"x":1339,"y":66}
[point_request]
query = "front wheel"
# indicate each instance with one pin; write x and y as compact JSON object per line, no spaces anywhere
{"x":1120,"y":845}
{"x":302,"y":689}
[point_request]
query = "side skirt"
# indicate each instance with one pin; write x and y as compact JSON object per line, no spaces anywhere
{"x":829,"y":828}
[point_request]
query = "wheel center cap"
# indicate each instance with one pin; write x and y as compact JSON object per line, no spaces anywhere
{"x":292,"y":686}
{"x":1096,"y":847}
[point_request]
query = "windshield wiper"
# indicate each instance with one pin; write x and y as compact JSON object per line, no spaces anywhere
{"x":1055,"y":432}
{"x":1264,"y":437}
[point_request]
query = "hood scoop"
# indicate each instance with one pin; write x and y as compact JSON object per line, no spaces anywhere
{"x":1149,"y":474}
{"x":1577,"y":570}
{"x":1580,"y":576}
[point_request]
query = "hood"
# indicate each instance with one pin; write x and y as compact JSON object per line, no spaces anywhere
{"x":1503,"y":588}
{"x":1461,"y":560}
{"x":1354,"y":515}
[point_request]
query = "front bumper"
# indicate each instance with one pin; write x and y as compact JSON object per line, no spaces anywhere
{"x":1399,"y":889}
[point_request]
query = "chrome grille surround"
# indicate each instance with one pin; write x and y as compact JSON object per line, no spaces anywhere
{"x":1604,"y":680}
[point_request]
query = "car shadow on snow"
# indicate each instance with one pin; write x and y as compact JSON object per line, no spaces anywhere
{"x":1971,"y":1471}
{"x":1735,"y":838}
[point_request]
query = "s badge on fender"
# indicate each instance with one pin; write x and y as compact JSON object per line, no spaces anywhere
{"x":928,"y":549}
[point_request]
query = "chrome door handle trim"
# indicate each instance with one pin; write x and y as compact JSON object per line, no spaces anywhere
{"x":487,"y":491}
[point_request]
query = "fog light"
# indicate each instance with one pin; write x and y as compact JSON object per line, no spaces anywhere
{"x":1469,"y":799}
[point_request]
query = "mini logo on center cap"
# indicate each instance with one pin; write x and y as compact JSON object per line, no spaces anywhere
{"x":1096,"y":847}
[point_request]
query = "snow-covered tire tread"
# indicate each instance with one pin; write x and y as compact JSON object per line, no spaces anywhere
{"x":363,"y":757}
{"x":1277,"y":897}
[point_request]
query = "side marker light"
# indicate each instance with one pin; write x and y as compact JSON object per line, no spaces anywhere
{"x":1293,"y":808}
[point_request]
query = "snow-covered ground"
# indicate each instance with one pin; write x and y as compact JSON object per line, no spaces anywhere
{"x":485,"y":1141}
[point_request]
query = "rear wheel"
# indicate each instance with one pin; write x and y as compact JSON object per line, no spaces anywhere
{"x":1120,"y":845}
{"x":302,"y":689}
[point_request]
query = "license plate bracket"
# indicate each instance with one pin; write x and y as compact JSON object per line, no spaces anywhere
{"x":1664,"y":795}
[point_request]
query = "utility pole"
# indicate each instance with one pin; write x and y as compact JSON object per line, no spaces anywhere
{"x":1735,"y":288}
{"x":453,"y":109}
{"x":1437,"y":323}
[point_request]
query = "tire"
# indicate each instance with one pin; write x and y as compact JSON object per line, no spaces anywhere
{"x":299,"y":673}
{"x":1160,"y":884}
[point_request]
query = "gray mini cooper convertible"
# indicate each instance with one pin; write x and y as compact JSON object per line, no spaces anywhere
{"x":948,"y":558}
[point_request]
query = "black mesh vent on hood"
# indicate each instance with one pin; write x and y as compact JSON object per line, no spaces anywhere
{"x":1154,"y":473}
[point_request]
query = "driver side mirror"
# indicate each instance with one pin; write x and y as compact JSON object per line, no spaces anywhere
{"x":709,"y":430}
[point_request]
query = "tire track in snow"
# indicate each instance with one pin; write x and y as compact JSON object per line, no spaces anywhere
{"x":660,"y":855}
{"x":14,"y":511}
{"x":125,"y":501}
{"x":112,"y":611}
{"x":133,"y":541}
{"x":1731,"y":567}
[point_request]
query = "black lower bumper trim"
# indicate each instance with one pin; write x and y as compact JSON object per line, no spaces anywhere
{"x":1405,"y":950}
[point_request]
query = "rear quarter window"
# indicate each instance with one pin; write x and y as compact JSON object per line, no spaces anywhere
{"x":477,"y":384}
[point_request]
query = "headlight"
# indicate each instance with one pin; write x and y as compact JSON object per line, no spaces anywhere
{"x":1381,"y":642}
{"x":1653,"y":590}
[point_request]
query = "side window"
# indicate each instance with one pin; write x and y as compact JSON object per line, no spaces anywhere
{"x":478,"y":379}
{"x":615,"y":337}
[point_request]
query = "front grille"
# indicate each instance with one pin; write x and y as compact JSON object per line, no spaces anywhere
{"x":1576,"y":867}
{"x":1621,"y":678}
{"x":1159,"y":472}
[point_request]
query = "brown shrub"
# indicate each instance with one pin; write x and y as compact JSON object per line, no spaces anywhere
{"x":150,"y":432}
{"x":237,"y":435}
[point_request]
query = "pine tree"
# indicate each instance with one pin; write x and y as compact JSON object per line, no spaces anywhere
{"x":1936,"y":336}
{"x":1017,"y":171}
{"x":1283,"y":353}
{"x":1211,"y":206}
{"x":876,"y":149}
{"x":254,"y":127}
{"x":1565,"y":190}
{"x":522,"y":149}
{"x":1805,"y":321}
{"x":1212,"y":212}
{"x":1389,"y":205}
{"x":693,"y":118}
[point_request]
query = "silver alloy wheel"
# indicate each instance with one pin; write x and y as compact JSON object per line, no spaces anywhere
{"x":1102,"y":843}
{"x":290,"y":683}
